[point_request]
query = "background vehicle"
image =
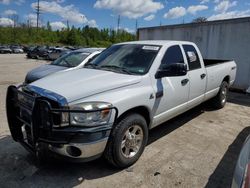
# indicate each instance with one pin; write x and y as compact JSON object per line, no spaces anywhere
{"x":108,"y":107}
{"x":38,"y":52}
{"x":17,"y":49}
{"x":28,"y":49}
{"x":72,"y":60}
{"x":32,"y":52}
{"x":56,"y":53}
{"x":241,"y":176}
{"x":5,"y":50}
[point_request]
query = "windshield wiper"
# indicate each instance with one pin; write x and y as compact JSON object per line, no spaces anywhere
{"x":120,"y":69}
{"x":90,"y":65}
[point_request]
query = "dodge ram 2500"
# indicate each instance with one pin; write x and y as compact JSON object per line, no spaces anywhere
{"x":108,"y":107}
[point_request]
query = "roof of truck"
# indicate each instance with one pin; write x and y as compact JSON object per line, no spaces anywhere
{"x":157,"y":42}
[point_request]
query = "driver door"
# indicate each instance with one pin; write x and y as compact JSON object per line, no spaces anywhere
{"x":171,"y":92}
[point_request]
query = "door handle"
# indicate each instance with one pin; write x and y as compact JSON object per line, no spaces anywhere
{"x":184,"y":82}
{"x":203,"y":76}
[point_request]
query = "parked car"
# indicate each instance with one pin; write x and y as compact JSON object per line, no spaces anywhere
{"x":5,"y":50}
{"x":32,"y":52}
{"x":73,"y":60}
{"x":17,"y":49}
{"x":65,"y":52}
{"x":56,"y":53}
{"x":29,"y":49}
{"x":108,"y":107}
{"x":38,"y":52}
{"x":241,"y":178}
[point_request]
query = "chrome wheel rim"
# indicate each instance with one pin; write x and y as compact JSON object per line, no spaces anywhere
{"x":132,"y":141}
{"x":224,"y":95}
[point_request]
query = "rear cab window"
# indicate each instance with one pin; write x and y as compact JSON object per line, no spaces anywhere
{"x":192,"y":57}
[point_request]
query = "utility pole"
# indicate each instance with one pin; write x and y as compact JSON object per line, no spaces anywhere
{"x":136,"y":29}
{"x":37,"y":14}
{"x":68,"y":24}
{"x":118,"y":23}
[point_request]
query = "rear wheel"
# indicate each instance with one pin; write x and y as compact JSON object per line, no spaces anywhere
{"x":127,"y":141}
{"x":219,"y":101}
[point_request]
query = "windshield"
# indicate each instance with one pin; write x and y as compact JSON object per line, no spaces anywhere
{"x":72,"y":59}
{"x":126,"y":58}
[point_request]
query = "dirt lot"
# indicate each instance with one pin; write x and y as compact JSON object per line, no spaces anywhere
{"x":196,"y":149}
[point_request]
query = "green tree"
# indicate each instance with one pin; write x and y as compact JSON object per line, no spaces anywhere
{"x":23,"y":33}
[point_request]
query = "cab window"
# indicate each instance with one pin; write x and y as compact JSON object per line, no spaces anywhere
{"x":173,"y":55}
{"x":192,"y":57}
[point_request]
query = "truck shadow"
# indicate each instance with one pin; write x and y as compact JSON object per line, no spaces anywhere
{"x":18,"y":167}
{"x":239,"y":98}
{"x":223,"y":174}
{"x":173,"y":124}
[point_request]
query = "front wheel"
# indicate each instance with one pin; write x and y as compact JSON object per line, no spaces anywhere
{"x":219,"y":101}
{"x":127,"y":141}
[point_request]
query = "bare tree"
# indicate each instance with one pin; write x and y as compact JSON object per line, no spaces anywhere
{"x":199,"y":20}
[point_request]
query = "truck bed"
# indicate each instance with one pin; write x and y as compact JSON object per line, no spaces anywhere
{"x":211,"y":62}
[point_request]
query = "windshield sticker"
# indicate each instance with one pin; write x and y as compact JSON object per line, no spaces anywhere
{"x":155,"y":48}
{"x":141,"y":70}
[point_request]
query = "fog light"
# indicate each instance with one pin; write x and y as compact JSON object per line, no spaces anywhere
{"x":73,"y":151}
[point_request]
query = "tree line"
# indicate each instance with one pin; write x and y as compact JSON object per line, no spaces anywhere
{"x":85,"y":36}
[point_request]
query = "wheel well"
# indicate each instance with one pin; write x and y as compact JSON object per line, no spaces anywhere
{"x":227,"y":79}
{"x":142,"y":110}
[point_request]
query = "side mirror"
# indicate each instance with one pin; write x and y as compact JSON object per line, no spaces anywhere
{"x":176,"y":69}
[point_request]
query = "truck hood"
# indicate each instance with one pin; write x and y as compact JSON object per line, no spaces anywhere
{"x":42,"y":71}
{"x":81,"y":83}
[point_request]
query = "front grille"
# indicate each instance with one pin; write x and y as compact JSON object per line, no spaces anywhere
{"x":25,"y":100}
{"x":44,"y":115}
{"x":35,"y":113}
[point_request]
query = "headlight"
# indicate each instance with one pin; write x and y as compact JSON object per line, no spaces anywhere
{"x":96,"y":113}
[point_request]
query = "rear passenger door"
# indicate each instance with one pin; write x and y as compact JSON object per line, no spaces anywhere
{"x":197,"y":76}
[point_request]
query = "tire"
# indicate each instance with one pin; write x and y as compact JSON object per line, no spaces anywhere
{"x":219,"y":101}
{"x":122,"y":139}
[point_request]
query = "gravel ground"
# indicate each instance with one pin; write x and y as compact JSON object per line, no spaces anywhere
{"x":196,"y":149}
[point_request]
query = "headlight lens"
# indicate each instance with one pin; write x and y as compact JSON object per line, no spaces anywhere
{"x":101,"y":116}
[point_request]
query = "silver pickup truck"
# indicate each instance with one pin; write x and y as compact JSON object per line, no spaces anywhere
{"x":108,"y":107}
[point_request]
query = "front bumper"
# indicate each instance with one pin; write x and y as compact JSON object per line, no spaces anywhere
{"x":31,"y":122}
{"x":82,"y":151}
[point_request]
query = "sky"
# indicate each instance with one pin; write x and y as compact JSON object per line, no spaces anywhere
{"x":105,"y":13}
